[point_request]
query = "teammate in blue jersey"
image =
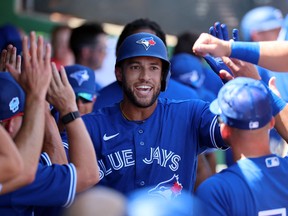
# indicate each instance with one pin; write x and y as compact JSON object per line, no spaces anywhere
{"x":54,"y":185}
{"x":258,"y":178}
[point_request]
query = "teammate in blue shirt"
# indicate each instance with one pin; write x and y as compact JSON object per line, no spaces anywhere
{"x":257,"y":183}
{"x":54,"y":185}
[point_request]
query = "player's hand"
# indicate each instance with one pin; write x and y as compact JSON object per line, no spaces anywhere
{"x":60,"y":93}
{"x":273,"y":87}
{"x":36,"y":74}
{"x":9,"y":56}
{"x":220,"y":31}
{"x":239,"y":69}
{"x":208,"y":44}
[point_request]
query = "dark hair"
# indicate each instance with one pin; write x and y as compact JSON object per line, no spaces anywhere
{"x":185,"y":43}
{"x":137,"y":24}
{"x":84,"y":35}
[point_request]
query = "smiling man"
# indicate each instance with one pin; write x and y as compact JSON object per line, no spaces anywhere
{"x":146,"y":141}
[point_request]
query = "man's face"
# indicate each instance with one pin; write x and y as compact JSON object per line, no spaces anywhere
{"x":98,"y":52}
{"x":141,"y":80}
{"x":84,"y":106}
{"x":269,"y":35}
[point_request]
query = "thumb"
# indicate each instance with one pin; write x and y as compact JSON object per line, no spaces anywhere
{"x":272,"y":86}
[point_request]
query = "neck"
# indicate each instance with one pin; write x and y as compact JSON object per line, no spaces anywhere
{"x":133,"y":113}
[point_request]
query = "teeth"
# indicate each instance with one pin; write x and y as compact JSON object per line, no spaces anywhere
{"x":144,"y":87}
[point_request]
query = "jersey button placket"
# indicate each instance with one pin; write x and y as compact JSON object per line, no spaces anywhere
{"x":141,"y":144}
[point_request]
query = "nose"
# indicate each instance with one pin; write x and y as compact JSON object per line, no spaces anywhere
{"x":144,"y":75}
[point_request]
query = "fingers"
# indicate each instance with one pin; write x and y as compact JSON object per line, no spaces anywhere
{"x":235,"y":34}
{"x":40,"y":47}
{"x":219,"y":34}
{"x":47,"y":56}
{"x":225,"y":75}
{"x":18,"y":63}
{"x":199,"y":47}
{"x":3,"y":60}
{"x":13,"y":71}
{"x":33,"y":48}
{"x":273,"y":87}
{"x":26,"y":55}
{"x":64,"y":76}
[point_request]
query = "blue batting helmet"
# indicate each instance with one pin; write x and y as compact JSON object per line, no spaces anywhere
{"x":145,"y":44}
{"x":260,"y":19}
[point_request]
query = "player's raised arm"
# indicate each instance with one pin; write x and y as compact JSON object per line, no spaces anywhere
{"x":274,"y":55}
{"x":11,"y":163}
{"x":34,"y":79}
{"x":269,"y":54}
{"x":81,"y":150}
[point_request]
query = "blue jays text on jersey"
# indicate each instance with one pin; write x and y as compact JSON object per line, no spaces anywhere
{"x":133,"y":154}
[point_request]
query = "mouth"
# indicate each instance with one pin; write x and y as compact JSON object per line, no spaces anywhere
{"x":143,"y":90}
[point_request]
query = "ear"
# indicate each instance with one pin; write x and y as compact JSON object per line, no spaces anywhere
{"x":118,"y":73}
{"x":225,"y":131}
{"x":272,"y":122}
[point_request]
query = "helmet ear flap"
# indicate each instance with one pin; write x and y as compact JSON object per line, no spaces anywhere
{"x":166,"y":77}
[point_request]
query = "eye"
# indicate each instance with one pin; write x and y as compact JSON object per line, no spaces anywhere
{"x":135,"y":67}
{"x":155,"y":68}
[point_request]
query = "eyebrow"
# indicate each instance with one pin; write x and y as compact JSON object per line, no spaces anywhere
{"x":131,"y":61}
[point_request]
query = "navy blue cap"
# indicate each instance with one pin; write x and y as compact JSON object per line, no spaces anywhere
{"x":187,"y":69}
{"x":12,"y":97}
{"x":82,"y":80}
{"x":243,"y":103}
{"x":9,"y":34}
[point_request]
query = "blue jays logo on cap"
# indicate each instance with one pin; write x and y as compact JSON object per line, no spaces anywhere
{"x":169,"y":189}
{"x":80,"y":76}
{"x":14,"y":104}
{"x":146,"y":42}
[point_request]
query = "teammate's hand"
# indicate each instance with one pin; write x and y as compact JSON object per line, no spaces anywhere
{"x":220,"y":31}
{"x":60,"y":93}
{"x":9,"y":56}
{"x":239,"y":69}
{"x":36,"y":74}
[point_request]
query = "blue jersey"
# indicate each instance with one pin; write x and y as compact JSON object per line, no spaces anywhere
{"x":253,"y":186}
{"x":160,"y":151}
{"x":53,"y":186}
{"x":112,"y":94}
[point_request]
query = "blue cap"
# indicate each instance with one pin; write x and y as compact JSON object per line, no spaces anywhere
{"x":243,"y":103}
{"x":260,"y":19}
{"x":9,"y":34}
{"x":82,"y":80}
{"x":187,"y":69}
{"x":145,"y":44}
{"x":12,"y":97}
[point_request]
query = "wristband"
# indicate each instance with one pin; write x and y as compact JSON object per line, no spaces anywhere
{"x":246,"y":51}
{"x":70,"y":117}
{"x":278,"y":103}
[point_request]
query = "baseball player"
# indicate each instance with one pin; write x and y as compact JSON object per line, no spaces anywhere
{"x":53,"y":184}
{"x":256,"y":183}
{"x":112,"y":93}
{"x":145,"y":140}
